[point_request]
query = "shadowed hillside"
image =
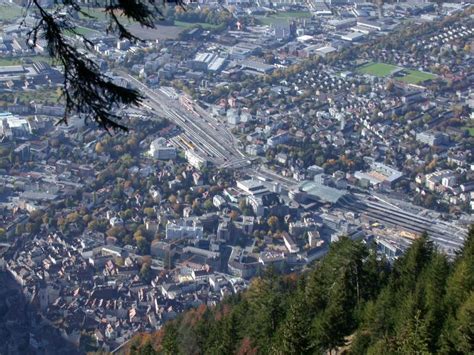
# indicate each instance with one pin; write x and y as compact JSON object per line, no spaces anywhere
{"x":350,"y":301}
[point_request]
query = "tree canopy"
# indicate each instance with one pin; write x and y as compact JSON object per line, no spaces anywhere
{"x":87,"y":91}
{"x":351,"y":300}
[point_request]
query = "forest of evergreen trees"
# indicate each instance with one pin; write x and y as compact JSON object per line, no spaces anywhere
{"x":350,"y":302}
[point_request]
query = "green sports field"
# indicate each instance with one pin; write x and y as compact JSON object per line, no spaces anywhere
{"x":84,"y":31}
{"x":384,"y":70}
{"x":377,"y":69}
{"x":416,"y":76}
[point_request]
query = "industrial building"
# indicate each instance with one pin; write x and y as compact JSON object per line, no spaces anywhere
{"x":380,"y":174}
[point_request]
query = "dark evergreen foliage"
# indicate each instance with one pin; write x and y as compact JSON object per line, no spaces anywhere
{"x":87,"y":91}
{"x":351,"y":301}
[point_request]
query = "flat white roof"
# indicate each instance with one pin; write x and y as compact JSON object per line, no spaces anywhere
{"x":13,"y":120}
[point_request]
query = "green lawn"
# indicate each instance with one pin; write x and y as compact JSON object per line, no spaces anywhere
{"x":84,"y":31}
{"x":10,"y":61}
{"x":17,"y":61}
{"x":283,"y":17}
{"x":470,"y":130}
{"x":186,"y":25}
{"x":416,"y":76}
{"x":97,"y":13}
{"x":10,"y":12}
{"x":377,"y":69}
{"x":51,"y":95}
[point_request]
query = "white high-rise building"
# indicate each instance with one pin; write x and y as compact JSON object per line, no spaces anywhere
{"x":195,"y":159}
{"x":159,"y":150}
{"x":184,"y":229}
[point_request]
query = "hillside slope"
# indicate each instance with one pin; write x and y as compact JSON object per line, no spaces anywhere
{"x":423,"y":304}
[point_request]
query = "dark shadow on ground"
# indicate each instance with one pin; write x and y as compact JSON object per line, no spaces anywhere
{"x":22,"y":329}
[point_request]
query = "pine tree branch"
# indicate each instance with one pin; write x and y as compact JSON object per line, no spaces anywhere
{"x":86,"y":90}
